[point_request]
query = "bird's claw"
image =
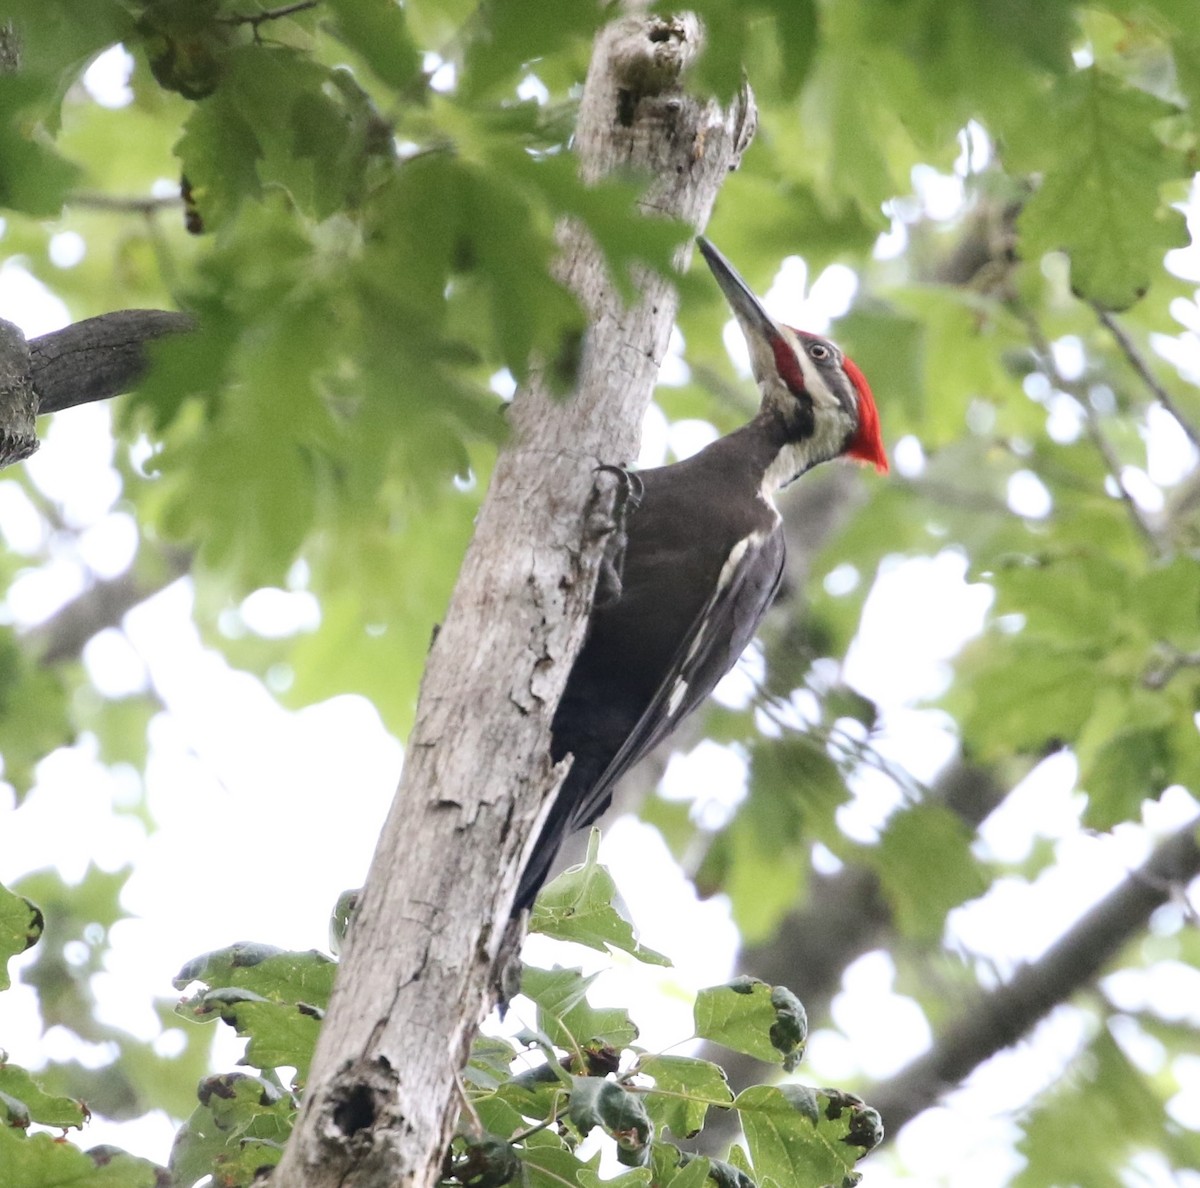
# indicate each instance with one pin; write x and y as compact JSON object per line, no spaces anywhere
{"x":630,"y":487}
{"x":609,"y":522}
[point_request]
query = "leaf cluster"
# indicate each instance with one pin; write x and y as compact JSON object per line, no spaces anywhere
{"x":579,"y":1069}
{"x":532,"y":1099}
{"x":372,"y":191}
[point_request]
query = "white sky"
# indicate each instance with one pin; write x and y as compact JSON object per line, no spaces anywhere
{"x":225,"y":758}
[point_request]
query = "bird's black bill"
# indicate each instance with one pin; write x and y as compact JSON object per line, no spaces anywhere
{"x":760,"y":329}
{"x":742,"y":300}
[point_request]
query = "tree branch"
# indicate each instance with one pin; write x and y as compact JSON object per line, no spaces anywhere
{"x":18,"y":401}
{"x":129,"y":204}
{"x":91,"y":360}
{"x":97,"y":358}
{"x":10,"y":48}
{"x":429,"y":936}
{"x":1142,"y":368}
{"x":269,"y":14}
{"x":1045,"y":357}
{"x":998,"y":1019}
{"x":844,"y":915}
{"x":103,"y":604}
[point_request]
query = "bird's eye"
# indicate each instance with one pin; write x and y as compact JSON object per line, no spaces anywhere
{"x":819,"y":351}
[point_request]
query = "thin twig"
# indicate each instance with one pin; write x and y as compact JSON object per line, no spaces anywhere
{"x":1095,"y":431}
{"x":555,"y":1115}
{"x":478,"y":1128}
{"x":1139,"y":364}
{"x":269,"y":14}
{"x":1113,"y":463}
{"x":126,"y":205}
{"x":1170,"y":661}
{"x":778,"y":709}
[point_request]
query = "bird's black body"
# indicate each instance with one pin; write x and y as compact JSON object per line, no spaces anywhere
{"x":702,"y":562}
{"x":618,"y":700}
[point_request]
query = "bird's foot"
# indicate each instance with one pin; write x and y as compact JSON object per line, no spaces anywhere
{"x":606,"y":518}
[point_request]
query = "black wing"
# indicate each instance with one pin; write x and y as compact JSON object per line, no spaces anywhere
{"x":718,"y":634}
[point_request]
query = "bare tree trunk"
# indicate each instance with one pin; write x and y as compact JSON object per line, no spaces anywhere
{"x":422,"y":953}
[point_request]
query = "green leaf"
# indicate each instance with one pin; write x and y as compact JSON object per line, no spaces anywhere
{"x":281,"y":121}
{"x":219,"y":153}
{"x":736,"y":36}
{"x":1124,"y":752}
{"x":565,"y":1015}
{"x":239,"y":1128}
{"x":671,"y":1168}
{"x":1078,"y":599}
{"x":21,"y":927}
{"x":596,"y":1101}
{"x":550,"y":1165}
{"x":747,"y":1015}
{"x":972,"y":59}
{"x":277,"y":974}
{"x":490,"y":1062}
{"x":43,"y":1161}
{"x":33,"y":712}
{"x":377,"y":29}
{"x":1113,"y":1110}
{"x":510,"y":35}
{"x":24,"y":1101}
{"x":79,"y":919}
{"x":578,"y":906}
{"x":916,"y":840}
{"x":762,"y":881}
{"x":635,"y":1177}
{"x":854,"y":85}
{"x":280,"y":1033}
{"x":796,"y":789}
{"x":1018,"y":695}
{"x":1099,"y":198}
{"x":684,"y":1089}
{"x":33,"y":178}
{"x":806,"y":1137}
{"x":57,"y":39}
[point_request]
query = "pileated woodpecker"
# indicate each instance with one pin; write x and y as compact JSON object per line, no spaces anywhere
{"x":702,"y":561}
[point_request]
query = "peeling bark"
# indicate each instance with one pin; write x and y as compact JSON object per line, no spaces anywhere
{"x":428,"y":941}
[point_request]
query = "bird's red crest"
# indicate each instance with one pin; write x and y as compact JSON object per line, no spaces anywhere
{"x":867,"y":444}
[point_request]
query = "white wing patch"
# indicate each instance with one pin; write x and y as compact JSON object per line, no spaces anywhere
{"x":700,"y":638}
{"x":732,"y":562}
{"x":678,"y":693}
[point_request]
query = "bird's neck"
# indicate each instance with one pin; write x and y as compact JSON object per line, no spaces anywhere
{"x":769,"y":456}
{"x":791,"y":460}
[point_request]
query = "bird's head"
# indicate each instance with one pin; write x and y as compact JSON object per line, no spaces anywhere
{"x":819,"y":395}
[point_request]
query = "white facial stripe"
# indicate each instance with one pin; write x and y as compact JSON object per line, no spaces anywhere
{"x":814,"y":381}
